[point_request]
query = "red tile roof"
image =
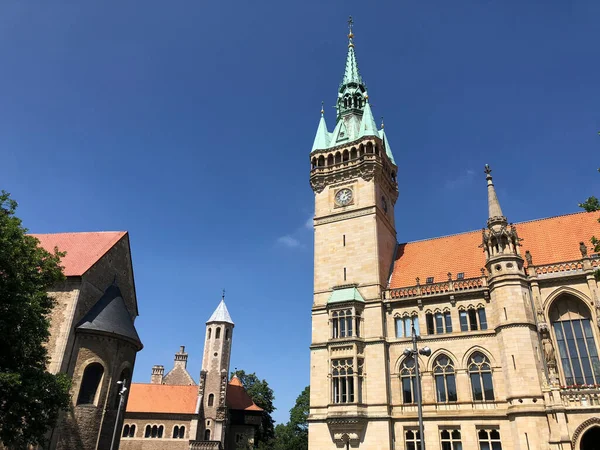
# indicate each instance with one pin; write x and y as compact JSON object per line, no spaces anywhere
{"x":175,"y":399}
{"x":551,"y":240}
{"x":83,"y":249}
{"x":162,"y":398}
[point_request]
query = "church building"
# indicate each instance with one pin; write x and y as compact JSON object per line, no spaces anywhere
{"x":172,"y":412}
{"x":511,"y":312}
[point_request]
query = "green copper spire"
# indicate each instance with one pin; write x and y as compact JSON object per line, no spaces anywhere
{"x":351,"y":95}
{"x":368,"y":127}
{"x":323,"y":137}
{"x":386,"y":143}
{"x":351,"y":74}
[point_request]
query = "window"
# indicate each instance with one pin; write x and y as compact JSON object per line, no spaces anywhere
{"x":413,"y":440}
{"x":480,"y":373}
{"x":148,"y":431}
{"x":207,"y":435}
{"x":577,"y":348}
{"x":445,"y":383}
{"x":154,"y":431}
{"x":404,"y":326}
{"x":227,"y":334}
{"x":178,"y":432}
{"x":345,"y":379}
{"x":460,"y":276}
{"x":128,"y":431}
{"x":429,"y":280}
{"x":211,"y":399}
{"x":92,"y":375}
{"x":345,"y":323}
{"x":408,"y":380}
{"x":160,"y":431}
{"x":450,"y":440}
{"x":209,"y":332}
{"x":473,"y":319}
{"x":439,"y":322}
{"x":218,"y":333}
{"x":489,"y":440}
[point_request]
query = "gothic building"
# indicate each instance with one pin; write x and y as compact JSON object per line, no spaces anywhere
{"x":92,"y":335}
{"x":173,"y":412}
{"x":511,"y":313}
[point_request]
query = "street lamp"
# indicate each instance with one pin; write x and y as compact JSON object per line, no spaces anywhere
{"x":414,"y":352}
{"x":121,"y":393}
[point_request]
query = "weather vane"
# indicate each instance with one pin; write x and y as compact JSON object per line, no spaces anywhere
{"x":223,"y":295}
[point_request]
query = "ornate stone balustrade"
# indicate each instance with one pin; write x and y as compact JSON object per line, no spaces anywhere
{"x":563,"y":268}
{"x":580,"y":398}
{"x":433,"y":289}
{"x":205,"y":445}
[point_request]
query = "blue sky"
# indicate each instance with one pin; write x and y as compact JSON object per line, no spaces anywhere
{"x":189,"y":124}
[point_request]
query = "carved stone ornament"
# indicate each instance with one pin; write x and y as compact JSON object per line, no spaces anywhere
{"x":528,"y":258}
{"x":583,"y":250}
{"x":221,"y":413}
{"x":347,"y":430}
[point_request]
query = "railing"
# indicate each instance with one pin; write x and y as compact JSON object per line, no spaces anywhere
{"x":580,"y":397}
{"x":445,"y":287}
{"x":205,"y":445}
{"x":564,"y":267}
{"x":335,"y":166}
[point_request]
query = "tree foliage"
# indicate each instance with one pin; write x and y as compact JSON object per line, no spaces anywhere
{"x":590,"y":205}
{"x":262,"y":395}
{"x":294,"y":434}
{"x":30,"y":397}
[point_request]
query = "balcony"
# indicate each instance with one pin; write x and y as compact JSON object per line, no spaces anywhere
{"x":205,"y":445}
{"x":449,"y":287}
{"x":583,"y":397}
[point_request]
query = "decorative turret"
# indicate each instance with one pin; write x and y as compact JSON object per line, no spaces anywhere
{"x":499,"y":238}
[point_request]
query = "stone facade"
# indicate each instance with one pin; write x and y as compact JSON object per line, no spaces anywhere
{"x":510,"y":315}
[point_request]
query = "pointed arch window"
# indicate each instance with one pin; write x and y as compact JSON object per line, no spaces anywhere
{"x":445,"y":382}
{"x":577,"y":349}
{"x":408,"y":380}
{"x":92,"y":375}
{"x":480,"y":373}
{"x":218,"y":333}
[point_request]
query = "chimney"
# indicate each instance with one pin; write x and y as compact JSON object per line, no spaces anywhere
{"x":181,"y":357}
{"x":157,"y":374}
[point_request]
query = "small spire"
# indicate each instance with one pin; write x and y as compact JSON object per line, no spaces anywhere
{"x":350,"y":33}
{"x":382,"y":124}
{"x":495,"y":216}
{"x":351,"y":73}
{"x":223,"y":295}
{"x":322,"y":108}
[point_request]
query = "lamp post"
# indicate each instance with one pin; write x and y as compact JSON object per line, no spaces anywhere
{"x":414,"y":352}
{"x":121,"y":393}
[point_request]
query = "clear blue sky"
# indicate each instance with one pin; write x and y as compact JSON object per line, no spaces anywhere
{"x":189,"y":124}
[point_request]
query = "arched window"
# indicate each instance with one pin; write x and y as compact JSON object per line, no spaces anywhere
{"x":338,"y":157}
{"x":181,"y":432}
{"x":160,"y":431}
{"x":154,"y":431}
{"x":445,"y":383}
{"x":148,"y":431}
{"x":330,"y":160}
{"x":353,"y":153}
{"x":218,"y":333}
{"x":125,"y":431}
{"x":175,"y":432}
{"x":131,"y":431}
{"x":207,"y":435}
{"x":227,"y":334}
{"x":92,"y":375}
{"x":345,"y":323}
{"x":211,"y":399}
{"x":313,"y":163}
{"x":345,"y":155}
{"x":342,"y":376}
{"x":209,"y":333}
{"x":577,"y":350}
{"x":321,"y":161}
{"x":480,"y":372}
{"x":408,"y":380}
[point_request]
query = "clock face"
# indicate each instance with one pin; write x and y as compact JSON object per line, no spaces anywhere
{"x":343,"y":197}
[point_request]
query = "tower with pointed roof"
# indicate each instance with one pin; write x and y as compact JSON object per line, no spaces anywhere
{"x":353,"y":176}
{"x":212,"y":392}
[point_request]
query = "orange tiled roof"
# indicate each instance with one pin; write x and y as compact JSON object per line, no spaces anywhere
{"x":180,"y":399}
{"x":551,"y":240}
{"x":83,"y":249}
{"x":162,"y":398}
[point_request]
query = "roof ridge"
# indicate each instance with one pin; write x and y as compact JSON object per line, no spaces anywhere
{"x":479,"y":230}
{"x":80,"y":232}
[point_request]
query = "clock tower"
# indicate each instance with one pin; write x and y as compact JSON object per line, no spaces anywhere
{"x":353,"y":176}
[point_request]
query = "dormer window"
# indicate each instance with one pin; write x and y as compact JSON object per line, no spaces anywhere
{"x":429,"y":280}
{"x":460,"y":275}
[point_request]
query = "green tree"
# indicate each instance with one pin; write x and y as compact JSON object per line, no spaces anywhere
{"x":590,"y":205}
{"x":294,"y":434}
{"x":262,"y":395}
{"x":30,"y":397}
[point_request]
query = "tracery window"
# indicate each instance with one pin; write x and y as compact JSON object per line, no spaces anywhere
{"x":345,"y":323}
{"x":480,"y":373}
{"x":407,"y":380}
{"x":489,"y":440}
{"x":473,"y":319}
{"x":92,"y":375}
{"x":412,"y":439}
{"x":577,"y":347}
{"x":405,"y":324}
{"x":346,"y":381}
{"x":439,"y":322}
{"x":445,"y":383}
{"x":450,"y":440}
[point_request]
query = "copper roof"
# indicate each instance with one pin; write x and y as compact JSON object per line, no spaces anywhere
{"x":551,"y":240}
{"x":83,"y":249}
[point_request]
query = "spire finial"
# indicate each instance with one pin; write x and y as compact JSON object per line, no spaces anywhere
{"x":322,"y":107}
{"x":350,"y":33}
{"x":495,"y":216}
{"x":223,"y":295}
{"x":382,"y":124}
